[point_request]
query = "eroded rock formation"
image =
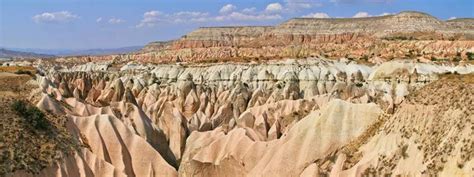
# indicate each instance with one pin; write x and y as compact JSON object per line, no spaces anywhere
{"x":403,"y":35}
{"x":406,"y":35}
{"x":308,"y":117}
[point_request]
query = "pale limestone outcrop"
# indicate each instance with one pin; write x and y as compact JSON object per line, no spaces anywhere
{"x":286,"y":156}
{"x":243,"y":119}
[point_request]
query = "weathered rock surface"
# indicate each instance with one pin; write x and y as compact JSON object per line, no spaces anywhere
{"x":237,"y":153}
{"x":403,"y":35}
{"x":306,"y":117}
{"x":406,"y":35}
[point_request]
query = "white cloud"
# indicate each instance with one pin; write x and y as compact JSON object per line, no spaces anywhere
{"x":151,"y":18}
{"x":187,"y":16}
{"x":361,"y":15}
{"x":115,"y":21}
{"x":237,"y":16}
{"x":227,"y":9}
{"x":385,"y":14}
{"x":317,"y":15}
{"x":274,"y":7}
{"x":55,"y":17}
{"x":452,"y":18}
{"x":249,"y":10}
{"x":366,"y":14}
{"x":190,"y":14}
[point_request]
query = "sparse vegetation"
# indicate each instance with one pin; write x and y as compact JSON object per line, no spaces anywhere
{"x":18,"y":69}
{"x":31,"y":114}
{"x":30,"y":139}
{"x":470,"y":55}
{"x":365,"y":58}
{"x":438,"y":59}
{"x":403,"y":38}
{"x":23,"y":72}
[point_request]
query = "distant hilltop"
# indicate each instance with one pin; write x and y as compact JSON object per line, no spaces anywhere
{"x":10,"y":54}
{"x":424,"y":36}
{"x":406,"y":35}
{"x":79,"y":52}
{"x":300,"y":30}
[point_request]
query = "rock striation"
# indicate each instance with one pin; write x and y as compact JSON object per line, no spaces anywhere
{"x":234,"y":104}
{"x":403,"y":35}
{"x":406,"y":35}
{"x":308,"y":117}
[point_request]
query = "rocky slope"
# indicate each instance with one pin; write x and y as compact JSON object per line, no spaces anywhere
{"x":403,"y":35}
{"x":406,"y":35}
{"x":30,"y":140}
{"x":310,"y":117}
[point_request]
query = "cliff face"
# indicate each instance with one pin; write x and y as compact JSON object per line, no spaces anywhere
{"x":221,"y":36}
{"x":404,"y":35}
{"x":154,"y":46}
{"x":378,"y":26}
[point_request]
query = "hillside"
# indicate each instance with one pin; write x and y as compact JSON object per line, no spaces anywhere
{"x":403,"y":35}
{"x":30,"y":139}
{"x":79,"y":52}
{"x":4,"y":53}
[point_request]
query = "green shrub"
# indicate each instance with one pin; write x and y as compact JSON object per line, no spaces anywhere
{"x":365,"y":58}
{"x":470,"y":55}
{"x":23,"y":72}
{"x":31,"y":114}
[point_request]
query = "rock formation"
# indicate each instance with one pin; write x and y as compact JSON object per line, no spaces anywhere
{"x":268,"y":101}
{"x":403,"y":35}
{"x":406,"y":35}
{"x":306,"y":117}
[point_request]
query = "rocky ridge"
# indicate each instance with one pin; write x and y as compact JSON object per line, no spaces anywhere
{"x":282,"y":118}
{"x":406,"y":35}
{"x":403,"y":35}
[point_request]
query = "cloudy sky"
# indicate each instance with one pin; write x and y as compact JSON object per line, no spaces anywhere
{"x":86,"y":24}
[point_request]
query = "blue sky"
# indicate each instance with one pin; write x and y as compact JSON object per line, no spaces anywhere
{"x":86,"y":24}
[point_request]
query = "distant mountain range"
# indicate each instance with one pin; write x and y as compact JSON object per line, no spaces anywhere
{"x":5,"y":53}
{"x":73,"y":52}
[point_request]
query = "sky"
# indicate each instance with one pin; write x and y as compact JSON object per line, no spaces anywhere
{"x":89,"y":24}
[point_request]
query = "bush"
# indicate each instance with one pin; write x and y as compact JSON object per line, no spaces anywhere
{"x":470,"y":55}
{"x":23,"y":72}
{"x":393,"y":38}
{"x":31,"y":114}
